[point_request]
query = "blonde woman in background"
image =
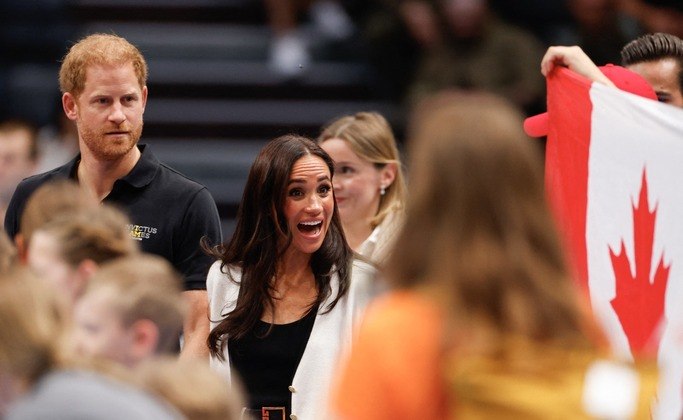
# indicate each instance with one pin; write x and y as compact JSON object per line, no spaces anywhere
{"x":369,"y":185}
{"x":484,"y":321}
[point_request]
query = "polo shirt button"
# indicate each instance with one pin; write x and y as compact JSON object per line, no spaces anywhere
{"x":291,"y":389}
{"x":293,"y":416}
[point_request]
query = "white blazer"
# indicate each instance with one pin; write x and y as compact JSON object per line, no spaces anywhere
{"x":330,"y":337}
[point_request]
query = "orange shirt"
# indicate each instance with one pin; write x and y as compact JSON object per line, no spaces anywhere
{"x":398,"y":369}
{"x":395,"y":367}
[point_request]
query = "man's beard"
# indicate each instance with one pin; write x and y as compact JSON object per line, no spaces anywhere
{"x":111,"y":149}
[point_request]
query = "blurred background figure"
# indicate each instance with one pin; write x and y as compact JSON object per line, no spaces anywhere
{"x":369,"y":186}
{"x":480,"y":52}
{"x":38,"y":380}
{"x":484,"y":321}
{"x":599,"y":27}
{"x":192,"y":387}
{"x":67,"y":251}
{"x":396,"y":33}
{"x":657,"y":15}
{"x":18,"y":157}
{"x":58,"y":143}
{"x":289,"y":49}
{"x":130,"y":311}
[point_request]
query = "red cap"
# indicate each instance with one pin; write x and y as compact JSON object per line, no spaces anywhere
{"x":624,"y":79}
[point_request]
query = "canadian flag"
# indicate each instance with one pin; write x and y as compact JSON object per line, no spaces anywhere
{"x":614,"y":175}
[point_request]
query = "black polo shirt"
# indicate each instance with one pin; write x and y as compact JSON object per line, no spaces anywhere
{"x":169,"y":212}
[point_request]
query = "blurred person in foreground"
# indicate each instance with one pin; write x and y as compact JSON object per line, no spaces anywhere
{"x":56,"y":199}
{"x":8,"y":253}
{"x":484,"y":321}
{"x":369,"y":187}
{"x":37,"y":381}
{"x":18,"y":157}
{"x":67,"y":251}
{"x":286,"y":291}
{"x":192,"y":387}
{"x":103,"y":80}
{"x":130,"y":311}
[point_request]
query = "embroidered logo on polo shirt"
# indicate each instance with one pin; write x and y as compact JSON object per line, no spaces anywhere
{"x":139,"y":233}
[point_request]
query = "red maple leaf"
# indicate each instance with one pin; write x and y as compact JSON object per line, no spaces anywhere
{"x":639,"y":301}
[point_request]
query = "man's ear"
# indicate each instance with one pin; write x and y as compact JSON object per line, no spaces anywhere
{"x":145,"y":340}
{"x":144,"y":97}
{"x":70,"y":105}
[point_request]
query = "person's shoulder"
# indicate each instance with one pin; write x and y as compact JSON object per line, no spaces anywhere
{"x":222,"y":277}
{"x":180,"y":180}
{"x":401,"y":309}
{"x":33,"y":182}
{"x":362,"y":267}
{"x":363,"y":278}
{"x":75,"y":394}
{"x":222,"y":286}
{"x":28,"y":186}
{"x":219,"y":269}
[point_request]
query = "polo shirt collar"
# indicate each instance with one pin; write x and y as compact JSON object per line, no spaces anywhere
{"x":145,"y":170}
{"x":140,"y":176}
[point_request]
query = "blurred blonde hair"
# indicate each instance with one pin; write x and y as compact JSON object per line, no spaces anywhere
{"x":147,"y":287}
{"x":31,"y":326}
{"x":50,"y":201}
{"x":369,"y":135}
{"x":191,"y":387}
{"x":99,"y":49}
{"x":99,"y":234}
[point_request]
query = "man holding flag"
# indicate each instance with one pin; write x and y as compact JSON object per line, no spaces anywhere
{"x":613,"y":179}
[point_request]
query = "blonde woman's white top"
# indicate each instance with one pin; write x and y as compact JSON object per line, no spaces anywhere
{"x":378,"y":246}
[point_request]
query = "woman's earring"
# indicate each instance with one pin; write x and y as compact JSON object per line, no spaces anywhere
{"x":382,"y":190}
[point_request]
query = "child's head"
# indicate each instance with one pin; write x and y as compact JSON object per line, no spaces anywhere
{"x":67,"y":251}
{"x":132,"y":309}
{"x":50,"y":201}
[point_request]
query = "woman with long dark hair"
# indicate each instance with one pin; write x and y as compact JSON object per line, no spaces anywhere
{"x":286,"y":290}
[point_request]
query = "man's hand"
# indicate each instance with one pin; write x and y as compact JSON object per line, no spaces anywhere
{"x":576,"y":60}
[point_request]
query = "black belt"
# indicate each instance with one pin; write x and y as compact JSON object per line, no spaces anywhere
{"x":264,"y":413}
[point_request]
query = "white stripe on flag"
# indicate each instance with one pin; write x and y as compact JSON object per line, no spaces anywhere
{"x":630,"y":135}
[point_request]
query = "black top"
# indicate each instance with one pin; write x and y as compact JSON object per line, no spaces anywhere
{"x":267,"y":364}
{"x":169,"y":212}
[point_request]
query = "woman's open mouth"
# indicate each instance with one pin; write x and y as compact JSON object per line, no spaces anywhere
{"x":311,"y":228}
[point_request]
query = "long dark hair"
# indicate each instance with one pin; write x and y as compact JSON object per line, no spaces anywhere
{"x":256,"y":246}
